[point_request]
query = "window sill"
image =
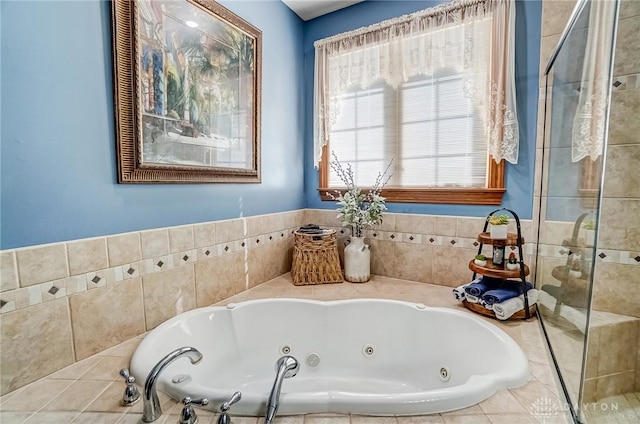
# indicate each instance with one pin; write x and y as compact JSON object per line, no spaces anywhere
{"x":452,"y":196}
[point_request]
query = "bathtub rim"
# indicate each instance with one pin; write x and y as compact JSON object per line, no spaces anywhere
{"x":477,"y":387}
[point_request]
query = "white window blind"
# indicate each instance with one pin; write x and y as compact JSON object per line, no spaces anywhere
{"x":434,"y":134}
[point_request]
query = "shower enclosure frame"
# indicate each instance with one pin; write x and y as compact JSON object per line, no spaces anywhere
{"x":579,"y":8}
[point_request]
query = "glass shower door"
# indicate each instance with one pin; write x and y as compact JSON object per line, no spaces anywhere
{"x":578,"y":88}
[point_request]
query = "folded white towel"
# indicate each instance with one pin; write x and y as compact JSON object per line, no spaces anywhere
{"x":506,"y":309}
{"x":459,"y":292}
{"x":471,"y":298}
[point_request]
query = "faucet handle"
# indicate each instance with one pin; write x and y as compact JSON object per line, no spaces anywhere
{"x":131,"y":393}
{"x":234,"y":398}
{"x":200,"y":402}
{"x":188,"y":415}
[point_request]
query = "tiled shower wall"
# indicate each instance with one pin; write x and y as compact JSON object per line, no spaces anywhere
{"x":63,"y":302}
{"x":616,"y":282}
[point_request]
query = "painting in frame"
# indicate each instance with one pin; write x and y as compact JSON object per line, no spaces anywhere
{"x":187,"y":81}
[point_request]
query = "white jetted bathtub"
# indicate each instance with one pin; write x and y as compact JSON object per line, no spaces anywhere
{"x":364,"y":356}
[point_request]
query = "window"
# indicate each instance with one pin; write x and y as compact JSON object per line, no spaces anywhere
{"x":420,"y":98}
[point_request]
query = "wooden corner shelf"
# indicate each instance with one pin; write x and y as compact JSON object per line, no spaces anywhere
{"x":511,"y":240}
{"x":501,"y":272}
{"x":521,"y":314}
{"x":490,"y":270}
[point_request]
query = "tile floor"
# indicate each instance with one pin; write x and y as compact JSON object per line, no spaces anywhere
{"x":89,"y":391}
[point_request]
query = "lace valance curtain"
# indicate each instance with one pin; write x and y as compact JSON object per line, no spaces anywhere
{"x":473,"y":37}
{"x":588,"y":125}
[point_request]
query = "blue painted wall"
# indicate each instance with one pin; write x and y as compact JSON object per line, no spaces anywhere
{"x":57,"y":162}
{"x":58,"y":166}
{"x":519,"y":178}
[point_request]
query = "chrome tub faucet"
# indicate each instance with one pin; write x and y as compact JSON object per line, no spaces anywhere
{"x":286,"y":367}
{"x":151,"y":410}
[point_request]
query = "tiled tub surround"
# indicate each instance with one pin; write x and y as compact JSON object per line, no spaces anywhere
{"x":89,"y":391}
{"x":58,"y":300}
{"x":64,"y":302}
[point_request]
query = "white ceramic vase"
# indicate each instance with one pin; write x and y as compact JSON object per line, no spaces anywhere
{"x":498,"y":232}
{"x":357,"y":261}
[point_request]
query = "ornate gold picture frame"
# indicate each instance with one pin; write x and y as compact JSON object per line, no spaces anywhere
{"x":187,"y":83}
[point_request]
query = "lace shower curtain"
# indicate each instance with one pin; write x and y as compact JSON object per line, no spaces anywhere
{"x":473,"y":37}
{"x":588,"y":125}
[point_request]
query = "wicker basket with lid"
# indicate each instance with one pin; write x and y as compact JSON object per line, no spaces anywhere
{"x":315,"y":258}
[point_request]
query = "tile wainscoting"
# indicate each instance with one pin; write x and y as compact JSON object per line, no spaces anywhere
{"x":63,"y":302}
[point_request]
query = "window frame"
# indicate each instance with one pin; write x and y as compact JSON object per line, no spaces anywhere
{"x":491,"y":194}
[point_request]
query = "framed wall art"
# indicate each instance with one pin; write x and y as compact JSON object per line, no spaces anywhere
{"x":187,"y":80}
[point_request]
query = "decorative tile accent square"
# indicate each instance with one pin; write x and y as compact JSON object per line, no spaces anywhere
{"x":44,"y":291}
{"x":101,"y":278}
{"x":433,"y":240}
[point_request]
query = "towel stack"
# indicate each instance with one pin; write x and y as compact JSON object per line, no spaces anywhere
{"x":503,"y":297}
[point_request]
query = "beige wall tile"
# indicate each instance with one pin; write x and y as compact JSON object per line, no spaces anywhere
{"x":620,"y":229}
{"x":629,"y":8}
{"x":622,"y":176}
{"x":445,"y":226}
{"x":154,"y":243}
{"x":412,"y":223}
{"x":589,"y":390}
{"x":382,"y":257}
{"x":469,"y":227}
{"x":615,"y":341}
{"x":8,"y":271}
{"x":181,"y":238}
{"x":40,"y":264}
{"x":555,"y":15}
{"x":204,"y":234}
{"x":388,"y":222}
{"x":87,"y":255}
{"x":615,"y":384}
{"x":451,"y":265}
{"x":36,"y":341}
{"x":637,"y":389}
{"x":627,"y":47}
{"x":593,"y":352}
{"x":279,"y":257}
{"x":104,"y":317}
{"x":624,"y":125}
{"x":616,"y":288}
{"x":224,"y":231}
{"x":168,"y":294}
{"x":124,"y":249}
{"x":219,"y":278}
{"x":413,"y":262}
{"x":259,"y":224}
